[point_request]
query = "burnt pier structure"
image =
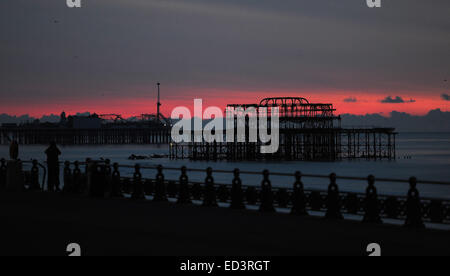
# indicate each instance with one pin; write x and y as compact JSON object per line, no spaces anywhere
{"x":308,"y":131}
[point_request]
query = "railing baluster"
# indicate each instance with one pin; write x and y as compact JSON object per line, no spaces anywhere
{"x":34,"y":176}
{"x":67,"y":178}
{"x":266,"y":194}
{"x":80,"y":181}
{"x":160,"y":189}
{"x":333,"y":200}
{"x":184,"y":196}
{"x":138,"y":188}
{"x":209,"y":199}
{"x":413,"y":206}
{"x":371,"y":204}
{"x":108,"y":183}
{"x":298,"y":197}
{"x":3,"y":174}
{"x":83,"y":184}
{"x":116,"y":182}
{"x":237,"y":195}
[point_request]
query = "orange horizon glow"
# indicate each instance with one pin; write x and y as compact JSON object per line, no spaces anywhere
{"x":366,"y":103}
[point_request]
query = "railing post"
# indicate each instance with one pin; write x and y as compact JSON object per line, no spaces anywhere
{"x":413,"y":206}
{"x":237,"y":195}
{"x":333,"y":200}
{"x":160,"y":189}
{"x":78,"y":185}
{"x":371,"y":204}
{"x":53,"y":176}
{"x":34,"y":181}
{"x":85,"y":184}
{"x":138,"y":189}
{"x":108,"y":182}
{"x":67,"y":178}
{"x":116,"y":182}
{"x":298,"y":197}
{"x":209,"y":198}
{"x":2,"y":174}
{"x":98,"y":179}
{"x":14,"y":176}
{"x":184,"y":196}
{"x":91,"y":177}
{"x":266,"y":194}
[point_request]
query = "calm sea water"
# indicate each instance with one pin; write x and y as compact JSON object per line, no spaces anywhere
{"x":423,"y":155}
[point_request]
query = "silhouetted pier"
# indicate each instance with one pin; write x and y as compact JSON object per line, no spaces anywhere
{"x":308,"y":131}
{"x":101,"y":136}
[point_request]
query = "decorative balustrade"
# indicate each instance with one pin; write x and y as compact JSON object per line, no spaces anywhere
{"x":101,"y":179}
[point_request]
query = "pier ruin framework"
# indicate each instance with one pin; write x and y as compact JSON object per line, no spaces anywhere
{"x":308,"y":131}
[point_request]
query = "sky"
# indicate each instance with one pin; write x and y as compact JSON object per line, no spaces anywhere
{"x":107,"y":56}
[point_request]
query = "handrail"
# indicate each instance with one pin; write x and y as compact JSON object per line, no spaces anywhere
{"x":293,"y":175}
{"x":396,"y":180}
{"x":103,"y":177}
{"x":290,"y":189}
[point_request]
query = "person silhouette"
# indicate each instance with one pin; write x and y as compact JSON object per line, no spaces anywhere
{"x":14,"y":150}
{"x":53,"y":154}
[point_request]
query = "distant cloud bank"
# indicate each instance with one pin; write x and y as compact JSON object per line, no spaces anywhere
{"x":52,"y":118}
{"x":435,"y":121}
{"x":8,"y":119}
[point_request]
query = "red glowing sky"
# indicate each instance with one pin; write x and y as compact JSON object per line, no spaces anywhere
{"x":366,"y":103}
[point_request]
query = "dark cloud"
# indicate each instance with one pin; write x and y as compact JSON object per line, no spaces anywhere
{"x":445,"y":97}
{"x":124,"y":47}
{"x":52,"y":118}
{"x":403,"y":122}
{"x":396,"y":100}
{"x":8,"y":119}
{"x":350,"y":100}
{"x":400,"y":120}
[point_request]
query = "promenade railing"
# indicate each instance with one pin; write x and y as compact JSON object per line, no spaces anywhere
{"x":103,"y":179}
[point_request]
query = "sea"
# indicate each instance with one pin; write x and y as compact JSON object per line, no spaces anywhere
{"x":422,"y":155}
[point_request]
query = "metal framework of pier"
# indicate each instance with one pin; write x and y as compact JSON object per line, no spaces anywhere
{"x":102,"y":136}
{"x":308,"y":131}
